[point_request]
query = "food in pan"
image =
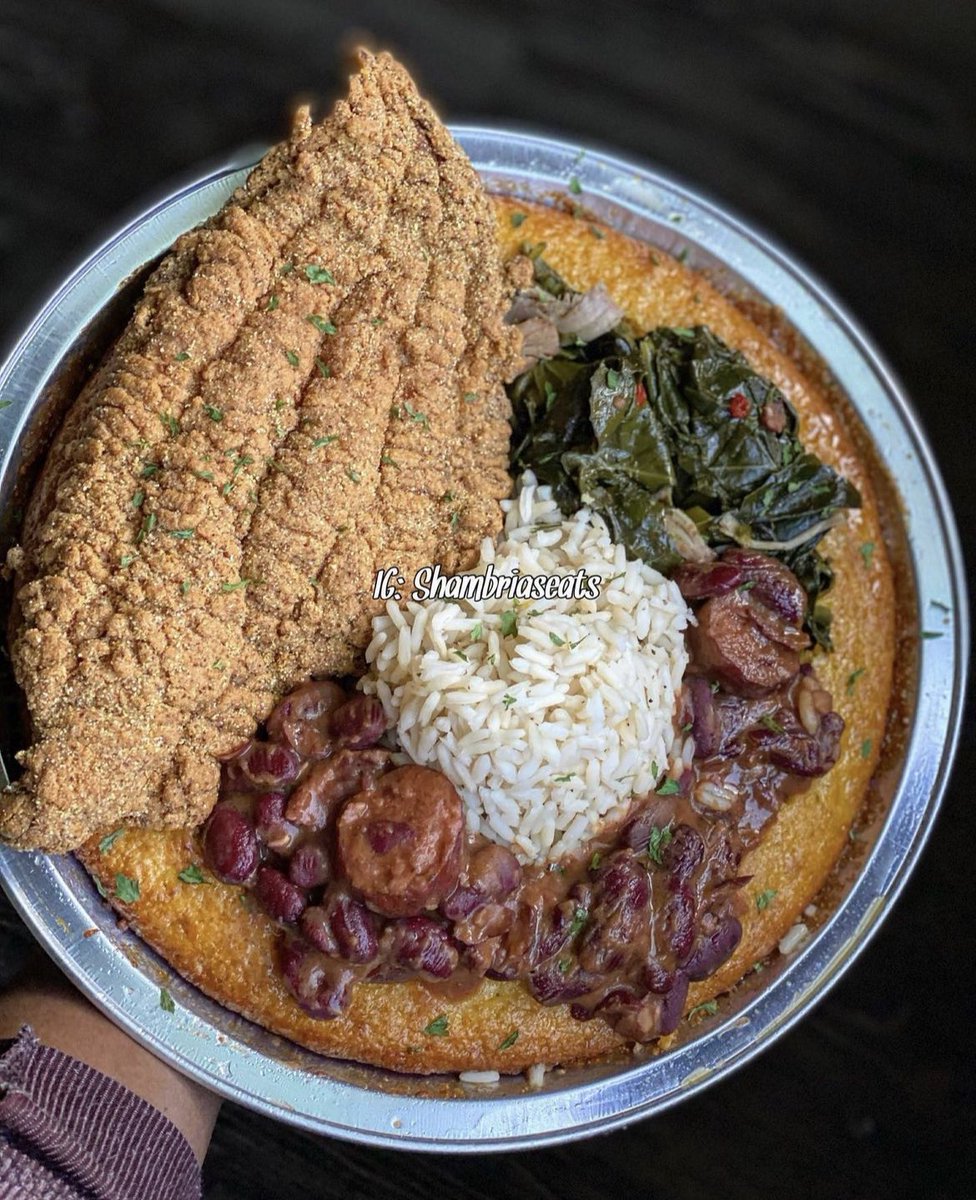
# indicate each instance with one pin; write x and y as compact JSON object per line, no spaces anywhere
{"x":456,"y":636}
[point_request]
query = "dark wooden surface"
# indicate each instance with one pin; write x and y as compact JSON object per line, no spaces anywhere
{"x":847,"y":130}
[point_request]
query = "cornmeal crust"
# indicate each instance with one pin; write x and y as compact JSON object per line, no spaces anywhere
{"x":224,"y":946}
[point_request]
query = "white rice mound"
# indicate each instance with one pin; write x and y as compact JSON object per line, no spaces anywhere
{"x":546,"y":733}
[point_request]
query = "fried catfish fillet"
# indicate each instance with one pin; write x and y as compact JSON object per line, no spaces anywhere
{"x":308,"y":390}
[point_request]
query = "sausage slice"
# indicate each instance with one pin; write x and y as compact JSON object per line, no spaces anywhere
{"x":400,"y":844}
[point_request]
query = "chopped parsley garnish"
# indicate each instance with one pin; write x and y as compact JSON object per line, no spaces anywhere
{"x":166,"y":1001}
{"x":853,"y":678}
{"x":928,"y":634}
{"x":708,"y":1007}
{"x":292,"y":356}
{"x":272,"y":303}
{"x":470,"y":397}
{"x":287,"y":268}
{"x":460,"y":654}
{"x":127,"y":560}
{"x":437,"y":1027}
{"x":580,"y":917}
{"x":322,"y":368}
{"x":236,"y":585}
{"x":315,"y":274}
{"x":149,"y":469}
{"x":509,"y":1041}
{"x":327,"y":440}
{"x":771,"y":724}
{"x":149,"y":523}
{"x":943,"y":607}
{"x":182,"y":534}
{"x":867,"y":551}
{"x":213,"y":412}
{"x":353,"y":474}
{"x":508,"y":701}
{"x":181,"y":357}
{"x":575,"y":186}
{"x":597,"y":233}
{"x":477,"y":629}
{"x":509,"y":623}
{"x":866,"y":748}
{"x":205,"y":475}
{"x":613,"y":379}
{"x":185,"y":587}
{"x":191,"y":874}
{"x":377,"y":321}
{"x":595,"y":860}
{"x":126,"y":889}
{"x":764,"y":899}
{"x":658,"y":841}
{"x":669,"y":788}
{"x":100,"y":888}
{"x":320,"y":323}
{"x":556,"y":639}
{"x":387,"y":461}
{"x":218,"y":664}
{"x":109,"y":840}
{"x":564,"y":778}
{"x":137,"y":498}
{"x":171,"y":423}
{"x":517,"y":218}
{"x":418,"y":418}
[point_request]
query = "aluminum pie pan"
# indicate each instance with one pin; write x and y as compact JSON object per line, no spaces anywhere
{"x":262,"y":1071}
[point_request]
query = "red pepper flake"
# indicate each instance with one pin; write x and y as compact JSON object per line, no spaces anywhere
{"x":640,"y":394}
{"x":739,"y":405}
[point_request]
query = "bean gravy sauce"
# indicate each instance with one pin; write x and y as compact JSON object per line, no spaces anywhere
{"x":367,"y":868}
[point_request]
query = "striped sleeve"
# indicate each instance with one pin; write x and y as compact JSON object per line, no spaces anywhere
{"x":67,"y":1131}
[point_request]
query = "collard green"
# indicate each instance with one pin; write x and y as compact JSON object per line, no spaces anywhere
{"x":652,"y":430}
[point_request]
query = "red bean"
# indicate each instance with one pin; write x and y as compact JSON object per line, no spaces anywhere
{"x":355,"y":929}
{"x":421,"y":944}
{"x":322,"y":986}
{"x":279,"y":897}
{"x":358,"y":723}
{"x":684,"y":852}
{"x":673,"y":1007}
{"x":303,"y":718}
{"x":679,"y":920}
{"x":712,"y":950}
{"x":264,"y":765}
{"x":315,"y":801}
{"x":550,"y":984}
{"x":309,"y":866}
{"x":229,"y":845}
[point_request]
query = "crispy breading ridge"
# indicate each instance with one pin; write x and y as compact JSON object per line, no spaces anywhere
{"x":146,"y":556}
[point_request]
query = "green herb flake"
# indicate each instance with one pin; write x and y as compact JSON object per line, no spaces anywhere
{"x":321,"y":324}
{"x":707,"y":1008}
{"x":353,"y":474}
{"x":670,"y":787}
{"x":213,"y":412}
{"x":292,"y":356}
{"x":564,"y":778}
{"x":575,"y":186}
{"x":510,"y":1041}
{"x":556,"y":639}
{"x":437,"y":1027}
{"x":218,"y":664}
{"x":596,"y":859}
{"x":460,"y":654}
{"x":929,"y":634}
{"x":185,"y":587}
{"x":181,"y":357}
{"x":866,"y":748}
{"x":100,"y":888}
{"x":127,"y":560}
{"x":192,"y":875}
{"x":272,"y":303}
{"x":109,"y":841}
{"x":508,"y":701}
{"x":658,"y":842}
{"x":477,"y":629}
{"x":323,"y":368}
{"x":149,"y":469}
{"x":771,"y":724}
{"x":470,"y":397}
{"x":236,"y":585}
{"x":126,"y":889}
{"x":613,"y":379}
{"x":418,"y":418}
{"x":853,"y":678}
{"x":207,"y":476}
{"x":286,"y":268}
{"x":315,"y":274}
{"x":764,"y":899}
{"x":580,"y":917}
{"x":509,"y":623}
{"x":137,"y":498}
{"x":182,"y":534}
{"x":171,"y":424}
{"x":517,"y":218}
{"x":388,"y":461}
{"x":149,"y":523}
{"x":166,"y":1001}
{"x":867,"y":552}
{"x":327,"y":440}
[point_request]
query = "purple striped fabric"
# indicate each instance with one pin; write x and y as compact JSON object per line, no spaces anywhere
{"x":68,"y":1131}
